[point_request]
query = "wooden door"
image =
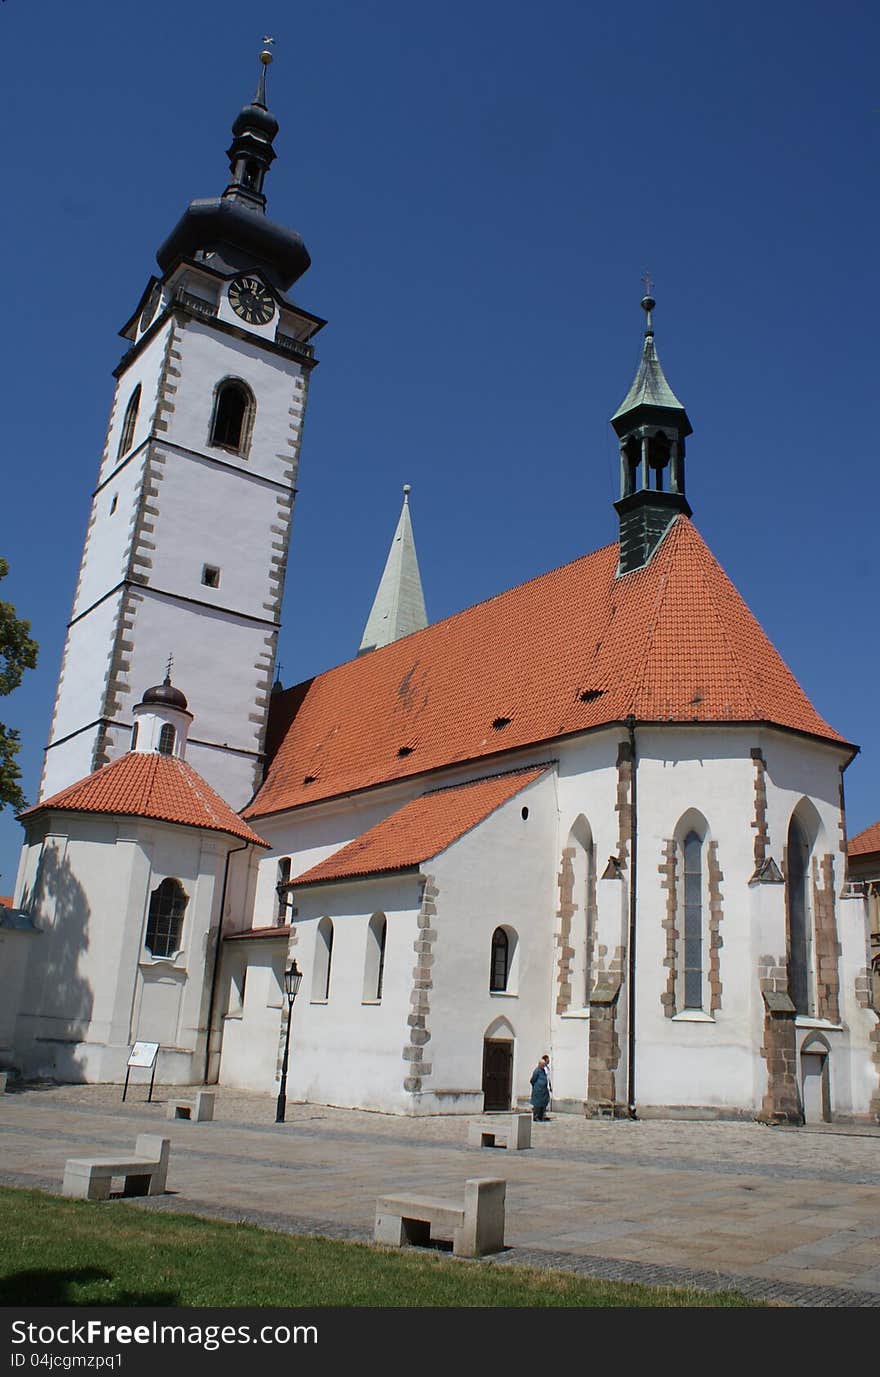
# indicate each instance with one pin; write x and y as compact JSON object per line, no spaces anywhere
{"x":497,"y":1074}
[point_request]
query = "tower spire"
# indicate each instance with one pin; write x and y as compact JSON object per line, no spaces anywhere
{"x":399,"y":606}
{"x":251,"y":153}
{"x":651,"y":425}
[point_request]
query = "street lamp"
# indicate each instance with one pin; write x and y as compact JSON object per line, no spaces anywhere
{"x":292,"y":978}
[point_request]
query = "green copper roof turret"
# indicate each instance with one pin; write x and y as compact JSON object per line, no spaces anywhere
{"x":651,"y":426}
{"x":649,"y":386}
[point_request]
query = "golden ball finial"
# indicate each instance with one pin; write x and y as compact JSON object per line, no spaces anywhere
{"x":266,"y":54}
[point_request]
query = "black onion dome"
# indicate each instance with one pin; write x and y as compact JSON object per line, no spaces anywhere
{"x":166,"y":695}
{"x":209,"y":224}
{"x":257,"y":118}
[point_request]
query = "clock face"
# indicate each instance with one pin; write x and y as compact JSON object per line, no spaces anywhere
{"x":250,"y":300}
{"x":150,"y":308}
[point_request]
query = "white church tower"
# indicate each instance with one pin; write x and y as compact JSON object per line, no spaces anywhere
{"x":187,"y":540}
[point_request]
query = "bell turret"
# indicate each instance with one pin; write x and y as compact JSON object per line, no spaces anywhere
{"x":651,"y":425}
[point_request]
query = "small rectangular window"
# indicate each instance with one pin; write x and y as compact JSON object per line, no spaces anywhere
{"x":211,"y":576}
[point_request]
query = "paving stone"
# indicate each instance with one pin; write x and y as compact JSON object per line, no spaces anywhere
{"x":788,"y":1215}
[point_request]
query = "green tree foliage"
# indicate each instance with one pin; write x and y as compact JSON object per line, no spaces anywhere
{"x":17,"y":653}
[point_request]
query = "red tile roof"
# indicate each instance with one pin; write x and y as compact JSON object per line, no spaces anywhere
{"x":5,"y":901}
{"x":865,"y":842}
{"x":420,"y":829}
{"x":574,"y":649}
{"x":146,"y":785}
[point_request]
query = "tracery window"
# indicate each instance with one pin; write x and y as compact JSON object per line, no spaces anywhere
{"x":800,"y":921}
{"x":500,"y":964}
{"x":283,"y":895}
{"x":692,"y":968}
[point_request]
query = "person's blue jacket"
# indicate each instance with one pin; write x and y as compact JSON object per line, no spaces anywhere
{"x":540,"y":1087}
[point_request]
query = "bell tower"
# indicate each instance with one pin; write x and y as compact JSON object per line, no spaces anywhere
{"x":187,"y":541}
{"x":652,"y":426}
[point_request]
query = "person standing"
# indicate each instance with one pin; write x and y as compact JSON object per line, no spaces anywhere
{"x":540,"y":1083}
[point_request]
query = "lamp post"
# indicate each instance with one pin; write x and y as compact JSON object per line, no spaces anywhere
{"x":292,"y":978}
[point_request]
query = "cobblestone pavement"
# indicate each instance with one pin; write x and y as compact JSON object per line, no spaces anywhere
{"x":789,"y":1215}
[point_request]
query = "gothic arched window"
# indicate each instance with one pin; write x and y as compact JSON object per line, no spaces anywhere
{"x":167,"y":738}
{"x":165,"y":921}
{"x":129,"y":422}
{"x":283,"y":874}
{"x":323,"y":960}
{"x":231,"y":423}
{"x":799,"y":918}
{"x":374,"y":965}
{"x":692,"y":969}
{"x":500,"y":967}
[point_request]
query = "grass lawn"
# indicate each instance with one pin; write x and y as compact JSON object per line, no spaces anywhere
{"x":67,"y":1252}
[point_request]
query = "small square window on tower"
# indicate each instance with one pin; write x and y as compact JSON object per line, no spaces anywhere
{"x":210,"y":576}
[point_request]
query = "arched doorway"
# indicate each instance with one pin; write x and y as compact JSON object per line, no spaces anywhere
{"x":498,"y":1044}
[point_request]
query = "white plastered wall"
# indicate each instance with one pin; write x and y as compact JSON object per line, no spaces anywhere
{"x":91,"y":987}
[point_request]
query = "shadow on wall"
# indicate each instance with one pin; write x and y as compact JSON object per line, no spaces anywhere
{"x":57,"y":1000}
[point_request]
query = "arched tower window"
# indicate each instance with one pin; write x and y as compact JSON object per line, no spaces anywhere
{"x":129,"y":422}
{"x":800,"y":924}
{"x":323,"y":960}
{"x":167,"y":737}
{"x":165,"y":920}
{"x":500,"y":965}
{"x":134,"y":736}
{"x":234,"y":408}
{"x":374,"y":965}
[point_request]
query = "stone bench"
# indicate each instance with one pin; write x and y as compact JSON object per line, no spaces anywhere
{"x":477,"y":1226}
{"x":197,"y":1111}
{"x":144,"y":1173}
{"x":511,"y":1131}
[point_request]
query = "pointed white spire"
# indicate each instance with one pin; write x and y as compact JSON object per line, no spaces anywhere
{"x":399,"y":606}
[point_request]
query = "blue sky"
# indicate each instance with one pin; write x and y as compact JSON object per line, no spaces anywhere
{"x":481,"y":187}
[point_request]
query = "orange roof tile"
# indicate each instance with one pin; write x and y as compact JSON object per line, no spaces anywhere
{"x":5,"y":901}
{"x":574,"y":649}
{"x":420,"y":829}
{"x":146,"y":785}
{"x":863,"y":843}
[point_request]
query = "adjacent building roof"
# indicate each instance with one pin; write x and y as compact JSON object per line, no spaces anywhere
{"x":575,"y":649}
{"x":865,"y":842}
{"x":421,"y":829}
{"x":142,"y":785}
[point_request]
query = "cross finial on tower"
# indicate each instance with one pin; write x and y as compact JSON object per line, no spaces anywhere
{"x":169,"y":666}
{"x":266,"y":58}
{"x":648,"y":303}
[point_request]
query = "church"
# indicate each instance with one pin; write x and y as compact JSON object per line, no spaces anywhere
{"x":595,"y":815}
